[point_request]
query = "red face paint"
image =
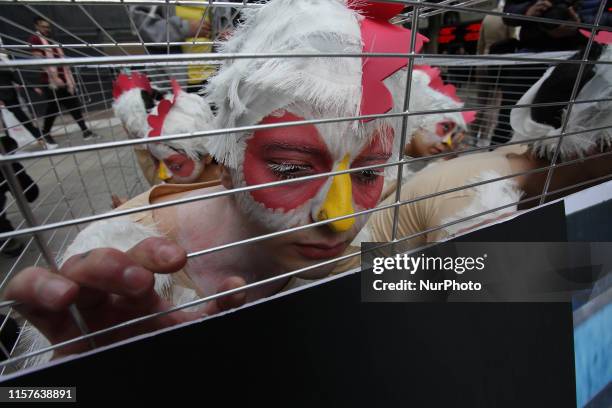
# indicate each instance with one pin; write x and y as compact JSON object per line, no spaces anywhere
{"x":368,"y":185}
{"x":443,"y":128}
{"x":284,"y":153}
{"x":180,"y":165}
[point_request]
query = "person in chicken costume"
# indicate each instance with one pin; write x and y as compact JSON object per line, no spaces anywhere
{"x":139,"y":261}
{"x":434,"y":133}
{"x":146,"y":112}
{"x":473,"y":190}
{"x":429,"y":136}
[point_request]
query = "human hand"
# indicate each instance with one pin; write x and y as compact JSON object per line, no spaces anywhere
{"x":108,"y":287}
{"x":38,"y":91}
{"x":538,"y":8}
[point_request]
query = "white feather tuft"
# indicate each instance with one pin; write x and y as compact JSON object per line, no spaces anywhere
{"x":130,"y":109}
{"x":246,"y":90}
{"x":190,"y":113}
{"x":485,"y":197}
{"x":583,"y":116}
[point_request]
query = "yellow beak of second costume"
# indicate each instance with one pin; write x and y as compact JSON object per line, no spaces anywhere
{"x":163,"y":173}
{"x":448,"y":141}
{"x":339,"y":200}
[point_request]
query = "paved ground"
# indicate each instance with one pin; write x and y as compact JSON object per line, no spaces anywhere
{"x":73,"y":186}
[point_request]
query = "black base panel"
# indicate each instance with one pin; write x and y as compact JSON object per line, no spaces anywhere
{"x":324,"y":347}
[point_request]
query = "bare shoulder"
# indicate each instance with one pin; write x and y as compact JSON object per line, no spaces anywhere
{"x":455,"y":173}
{"x":202,"y":207}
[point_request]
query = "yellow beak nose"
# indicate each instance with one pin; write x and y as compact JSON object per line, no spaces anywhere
{"x":448,"y":141}
{"x":339,"y":200}
{"x":163,"y":173}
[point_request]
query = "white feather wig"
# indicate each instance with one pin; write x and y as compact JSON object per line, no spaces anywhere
{"x":190,"y":113}
{"x":424,"y":98}
{"x":247,"y":89}
{"x":130,"y":109}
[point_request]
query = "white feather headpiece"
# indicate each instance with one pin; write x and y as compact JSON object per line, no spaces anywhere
{"x":248,"y":89}
{"x":188,"y":113}
{"x":129,"y":106}
{"x":425,"y":98}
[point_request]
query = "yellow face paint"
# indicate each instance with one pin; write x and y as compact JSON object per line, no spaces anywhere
{"x":339,"y":200}
{"x":163,"y":172}
{"x":448,"y":141}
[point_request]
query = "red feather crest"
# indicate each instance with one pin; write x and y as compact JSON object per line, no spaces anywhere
{"x":156,"y":122}
{"x":124,"y":83}
{"x":380,"y":36}
{"x":449,"y":90}
{"x":602,"y":37}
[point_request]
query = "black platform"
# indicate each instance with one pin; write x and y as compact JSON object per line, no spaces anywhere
{"x":323,"y":347}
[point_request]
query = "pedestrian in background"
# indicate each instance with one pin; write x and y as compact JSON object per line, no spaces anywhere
{"x":9,"y":99}
{"x":60,"y":87}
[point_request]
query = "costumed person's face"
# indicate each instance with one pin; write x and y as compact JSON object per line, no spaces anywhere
{"x":443,"y":137}
{"x":174,"y":166}
{"x":278,"y":154}
{"x":248,"y":92}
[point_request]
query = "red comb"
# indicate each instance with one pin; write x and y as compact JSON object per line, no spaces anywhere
{"x":380,"y":36}
{"x":602,"y":37}
{"x":376,"y":10}
{"x":449,"y":90}
{"x":156,"y":122}
{"x":124,"y":83}
{"x":469,"y":116}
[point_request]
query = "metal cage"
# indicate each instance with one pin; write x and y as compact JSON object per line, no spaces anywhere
{"x":100,"y":39}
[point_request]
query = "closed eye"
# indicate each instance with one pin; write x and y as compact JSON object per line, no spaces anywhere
{"x":290,"y":170}
{"x":443,"y":128}
{"x":368,"y":176}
